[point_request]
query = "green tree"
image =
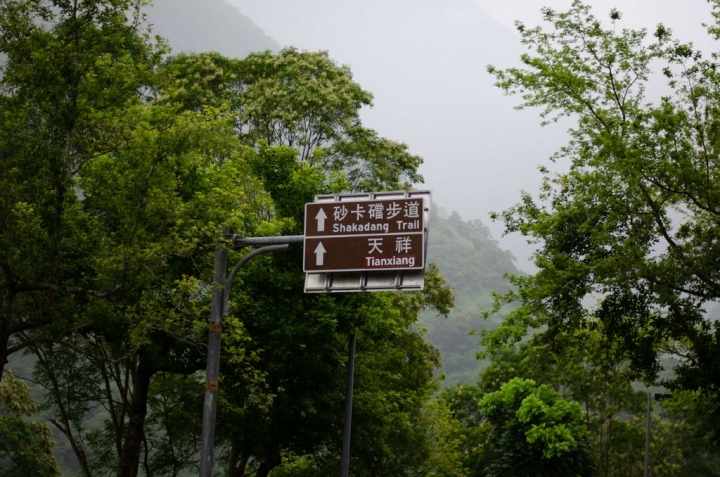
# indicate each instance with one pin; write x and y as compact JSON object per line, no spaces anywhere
{"x":627,"y":234}
{"x":475,"y":266}
{"x":597,"y":375}
{"x":69,"y":69}
{"x":536,"y":432}
{"x":174,"y":425}
{"x":302,"y":100}
{"x":25,"y":447}
{"x":588,"y":371}
{"x":190,"y":172}
{"x":120,"y":168}
{"x":300,"y":111}
{"x":305,"y":375}
{"x":686,"y":430}
{"x":115,"y":192}
{"x":470,"y":430}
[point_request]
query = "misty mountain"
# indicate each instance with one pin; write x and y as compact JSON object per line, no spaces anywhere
{"x":207,"y":25}
{"x":474,"y":265}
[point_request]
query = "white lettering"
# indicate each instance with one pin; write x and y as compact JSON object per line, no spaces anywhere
{"x":390,"y":262}
{"x":376,"y":211}
{"x":359,"y":212}
{"x":368,"y":227}
{"x":393,"y":210}
{"x":414,"y":225}
{"x":340,"y":212}
{"x":403,"y":245}
{"x":374,"y":244}
{"x":411,"y":209}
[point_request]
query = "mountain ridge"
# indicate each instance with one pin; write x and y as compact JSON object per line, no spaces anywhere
{"x":195,"y":26}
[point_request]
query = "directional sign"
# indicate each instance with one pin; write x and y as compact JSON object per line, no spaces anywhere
{"x":320,"y":220}
{"x":365,"y":253}
{"x":320,"y":254}
{"x":367,"y":235}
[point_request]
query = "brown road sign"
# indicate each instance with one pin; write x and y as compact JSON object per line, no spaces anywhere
{"x":364,"y":217}
{"x":364,"y":253}
{"x":366,"y":235}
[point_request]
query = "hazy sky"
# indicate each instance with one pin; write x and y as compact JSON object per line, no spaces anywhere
{"x":684,"y":16}
{"x":425,"y":62}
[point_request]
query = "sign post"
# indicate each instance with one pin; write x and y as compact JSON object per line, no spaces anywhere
{"x":218,"y":310}
{"x":364,"y":242}
{"x":345,"y":459}
{"x":374,"y":241}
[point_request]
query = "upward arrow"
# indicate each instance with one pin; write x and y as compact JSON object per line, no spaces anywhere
{"x":320,"y":217}
{"x":319,"y":254}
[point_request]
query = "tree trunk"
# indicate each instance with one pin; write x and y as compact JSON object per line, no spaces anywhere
{"x":132,"y":445}
{"x":4,"y":339}
{"x":271,"y":458}
{"x":271,"y":461}
{"x":237,"y":469}
{"x":8,"y":297}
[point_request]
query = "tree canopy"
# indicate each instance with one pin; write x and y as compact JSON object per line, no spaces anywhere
{"x":627,"y":236}
{"x":121,"y":164}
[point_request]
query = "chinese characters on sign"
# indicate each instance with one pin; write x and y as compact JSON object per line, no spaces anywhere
{"x":364,"y":235}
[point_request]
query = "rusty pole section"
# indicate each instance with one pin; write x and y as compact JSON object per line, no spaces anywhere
{"x":213,"y":363}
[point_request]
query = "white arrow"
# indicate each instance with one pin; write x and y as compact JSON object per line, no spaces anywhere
{"x":320,"y":217}
{"x":319,"y":254}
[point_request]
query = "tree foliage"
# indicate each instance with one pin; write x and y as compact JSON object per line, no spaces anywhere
{"x":627,"y":236}
{"x":597,"y":377}
{"x":25,"y":447}
{"x":115,"y":195}
{"x":475,"y":266}
{"x":121,"y":164}
{"x":537,"y":432}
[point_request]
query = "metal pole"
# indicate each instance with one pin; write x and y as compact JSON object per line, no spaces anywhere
{"x":239,"y":241}
{"x":240,"y":264}
{"x":647,"y":438}
{"x":218,"y":309}
{"x":213,"y":363}
{"x":345,"y":464}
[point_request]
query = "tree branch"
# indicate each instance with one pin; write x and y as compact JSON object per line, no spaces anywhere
{"x":44,"y":286}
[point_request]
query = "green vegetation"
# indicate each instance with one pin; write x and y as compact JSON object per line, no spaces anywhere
{"x":120,"y":163}
{"x":627,"y":260}
{"x":627,"y":235}
{"x":474,"y":266}
{"x":575,"y":414}
{"x":25,"y":447}
{"x":535,"y":431}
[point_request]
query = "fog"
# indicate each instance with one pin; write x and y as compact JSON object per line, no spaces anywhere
{"x":425,"y":62}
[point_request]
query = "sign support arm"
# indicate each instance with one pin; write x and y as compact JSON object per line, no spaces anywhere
{"x":218,"y":310}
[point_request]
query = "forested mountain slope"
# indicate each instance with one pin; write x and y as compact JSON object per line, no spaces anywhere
{"x":473,"y":265}
{"x":207,"y":25}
